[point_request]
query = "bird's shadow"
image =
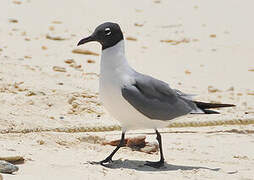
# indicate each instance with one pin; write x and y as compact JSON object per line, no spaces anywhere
{"x":140,"y":166}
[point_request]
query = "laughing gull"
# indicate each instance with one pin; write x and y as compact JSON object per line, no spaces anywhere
{"x":136,"y":100}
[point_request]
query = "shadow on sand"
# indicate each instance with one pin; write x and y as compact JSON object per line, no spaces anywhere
{"x":139,"y":166}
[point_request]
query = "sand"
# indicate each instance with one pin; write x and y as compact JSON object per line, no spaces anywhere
{"x":203,"y":48}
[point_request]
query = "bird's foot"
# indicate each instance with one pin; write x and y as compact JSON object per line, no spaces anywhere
{"x":156,"y":164}
{"x":108,"y":160}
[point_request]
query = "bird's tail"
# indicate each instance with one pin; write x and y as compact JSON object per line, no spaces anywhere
{"x":207,"y":106}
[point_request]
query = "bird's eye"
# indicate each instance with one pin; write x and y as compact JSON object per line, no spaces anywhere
{"x":107,"y":31}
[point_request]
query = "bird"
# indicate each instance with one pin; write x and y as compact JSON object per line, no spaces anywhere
{"x":136,"y":100}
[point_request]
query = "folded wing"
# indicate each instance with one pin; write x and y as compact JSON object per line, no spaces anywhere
{"x":155,"y":99}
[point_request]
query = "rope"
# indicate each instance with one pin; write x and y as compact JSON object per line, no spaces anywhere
{"x":117,"y":127}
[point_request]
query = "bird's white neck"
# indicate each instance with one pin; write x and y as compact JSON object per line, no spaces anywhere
{"x":114,"y":57}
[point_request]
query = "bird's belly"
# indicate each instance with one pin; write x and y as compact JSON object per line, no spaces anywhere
{"x":121,"y":110}
{"x":113,"y":101}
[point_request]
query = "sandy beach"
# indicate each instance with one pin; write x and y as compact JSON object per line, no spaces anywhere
{"x":199,"y":47}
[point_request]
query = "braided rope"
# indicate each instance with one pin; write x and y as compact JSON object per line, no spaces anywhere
{"x":117,"y":127}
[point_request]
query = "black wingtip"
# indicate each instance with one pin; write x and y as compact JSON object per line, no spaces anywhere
{"x":204,"y":105}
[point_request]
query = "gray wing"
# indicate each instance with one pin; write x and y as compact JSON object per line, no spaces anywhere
{"x":155,"y":99}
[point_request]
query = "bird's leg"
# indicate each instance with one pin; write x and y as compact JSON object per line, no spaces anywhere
{"x":109,"y":158}
{"x":159,"y":163}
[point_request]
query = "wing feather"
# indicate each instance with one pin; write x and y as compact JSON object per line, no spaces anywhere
{"x":155,"y":99}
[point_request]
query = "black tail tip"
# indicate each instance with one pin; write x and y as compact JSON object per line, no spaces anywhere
{"x":229,"y":105}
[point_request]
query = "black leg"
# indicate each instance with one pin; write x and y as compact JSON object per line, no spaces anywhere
{"x":109,"y":158}
{"x":159,"y":163}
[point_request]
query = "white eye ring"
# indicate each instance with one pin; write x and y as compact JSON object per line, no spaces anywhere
{"x":107,"y":31}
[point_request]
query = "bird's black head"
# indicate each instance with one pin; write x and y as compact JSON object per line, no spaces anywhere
{"x":107,"y":34}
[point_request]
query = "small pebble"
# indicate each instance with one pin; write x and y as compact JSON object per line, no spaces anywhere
{"x":6,"y":167}
{"x":40,"y":142}
{"x":131,"y":38}
{"x":59,"y":69}
{"x":30,"y":93}
{"x":51,"y":28}
{"x":44,"y":48}
{"x":138,"y":25}
{"x":212,"y":35}
{"x":49,"y":104}
{"x":77,"y":66}
{"x":56,"y":38}
{"x":27,"y":57}
{"x":90,"y":61}
{"x":69,"y":61}
{"x":211,"y":89}
{"x":83,"y":51}
{"x":13,"y":21}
